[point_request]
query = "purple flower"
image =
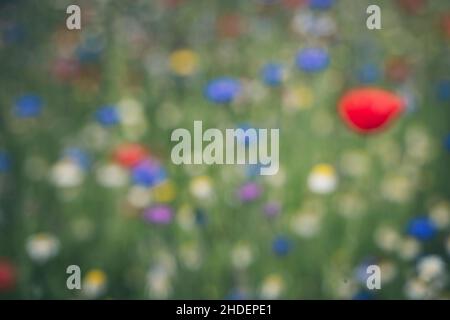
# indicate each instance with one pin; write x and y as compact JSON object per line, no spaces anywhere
{"x":272,"y":209}
{"x":159,"y":214}
{"x":222,"y":90}
{"x":249,"y":192}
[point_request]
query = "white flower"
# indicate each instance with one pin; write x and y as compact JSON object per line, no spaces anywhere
{"x":431,"y":268}
{"x":355,"y":163}
{"x":201,"y":187}
{"x":241,"y":256}
{"x":306,"y":224}
{"x":387,"y":238}
{"x":190,"y":256}
{"x":139,"y":197}
{"x":111,"y":176}
{"x":42,"y":246}
{"x":66,"y":174}
{"x":440,"y":214}
{"x":415,"y":289}
{"x":397,"y":188}
{"x":322,"y":179}
{"x":158,"y":283}
{"x":272,"y":287}
{"x":409,"y":248}
{"x":185,"y":217}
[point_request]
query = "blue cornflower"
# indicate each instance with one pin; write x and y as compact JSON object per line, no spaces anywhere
{"x":13,"y":33}
{"x":272,"y":74}
{"x":222,"y":90}
{"x":148,"y":173}
{"x":421,"y":228}
{"x":320,"y":4}
{"x":79,"y":156}
{"x":5,"y":161}
{"x":312,"y":59}
{"x":107,"y":116}
{"x":281,"y":245}
{"x":443,"y":90}
{"x":200,"y":217}
{"x":363,"y":295}
{"x":368,"y":73}
{"x":90,"y":50}
{"x":447,"y":142}
{"x":28,"y":106}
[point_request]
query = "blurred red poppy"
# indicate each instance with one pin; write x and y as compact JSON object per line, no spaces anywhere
{"x":398,"y":69}
{"x":368,"y":110}
{"x":445,"y":24}
{"x":7,"y":275}
{"x":230,"y":26}
{"x":129,"y":155}
{"x":412,"y":6}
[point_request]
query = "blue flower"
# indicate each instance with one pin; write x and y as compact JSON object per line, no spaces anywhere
{"x":421,"y":228}
{"x":79,"y":156}
{"x":281,"y":245}
{"x":107,"y":116}
{"x":447,"y":142}
{"x":5,"y":161}
{"x":148,"y":173}
{"x":28,"y":106}
{"x":312,"y":59}
{"x":222,"y":90}
{"x":363,"y":295}
{"x":200,"y":217}
{"x":90,"y":50}
{"x":443,"y":90}
{"x":272,"y":74}
{"x":13,"y":33}
{"x":320,"y":4}
{"x":368,"y":73}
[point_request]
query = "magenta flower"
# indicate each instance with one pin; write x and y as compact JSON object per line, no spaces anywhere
{"x":159,"y":214}
{"x":249,"y":192}
{"x":272,"y":209}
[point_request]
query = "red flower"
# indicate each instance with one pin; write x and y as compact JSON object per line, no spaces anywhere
{"x":445,"y":24}
{"x":7,"y":275}
{"x":367,"y":110}
{"x":412,"y":6}
{"x":129,"y":155}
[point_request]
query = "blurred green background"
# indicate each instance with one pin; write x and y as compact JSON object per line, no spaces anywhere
{"x":341,"y":200}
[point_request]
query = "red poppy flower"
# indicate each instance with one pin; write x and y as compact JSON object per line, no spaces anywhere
{"x":7,"y":275}
{"x":230,"y":26}
{"x":445,"y":24}
{"x":367,"y":110}
{"x":398,"y":69}
{"x":412,"y":6}
{"x":129,"y":155}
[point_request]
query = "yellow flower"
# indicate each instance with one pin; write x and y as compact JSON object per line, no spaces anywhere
{"x":96,"y":277}
{"x":298,"y":98}
{"x":201,"y":187}
{"x":183,"y":62}
{"x":94,"y":283}
{"x":164,"y":192}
